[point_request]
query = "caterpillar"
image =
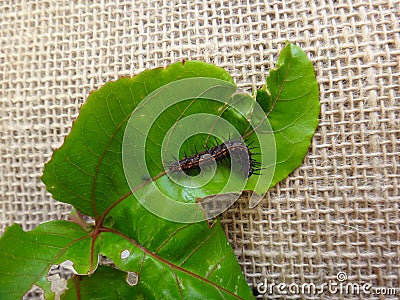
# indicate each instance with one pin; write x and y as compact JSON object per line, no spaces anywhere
{"x":237,"y":149}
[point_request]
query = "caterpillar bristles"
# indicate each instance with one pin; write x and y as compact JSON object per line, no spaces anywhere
{"x":219,"y":152}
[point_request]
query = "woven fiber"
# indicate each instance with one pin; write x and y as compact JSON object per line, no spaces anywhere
{"x":338,"y":212}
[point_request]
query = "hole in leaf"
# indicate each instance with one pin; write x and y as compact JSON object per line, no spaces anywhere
{"x":68,"y":266}
{"x":34,"y":293}
{"x":88,"y":219}
{"x":132,"y":278}
{"x":58,"y":285}
{"x":58,"y":276}
{"x":65,"y":270}
{"x":105,"y":261}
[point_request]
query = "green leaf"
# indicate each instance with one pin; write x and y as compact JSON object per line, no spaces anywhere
{"x":195,"y":261}
{"x":203,"y":266}
{"x":113,"y":286}
{"x":26,"y":257}
{"x":197,"y":256}
{"x":87,"y":172}
{"x":264,"y":99}
{"x":291,"y":101}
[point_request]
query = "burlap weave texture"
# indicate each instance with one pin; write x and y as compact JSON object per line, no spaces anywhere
{"x":338,"y":212}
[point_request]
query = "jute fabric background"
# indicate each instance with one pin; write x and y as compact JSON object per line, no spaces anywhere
{"x":338,"y":212}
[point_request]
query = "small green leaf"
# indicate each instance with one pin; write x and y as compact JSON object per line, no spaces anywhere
{"x":26,"y":257}
{"x":291,"y":101}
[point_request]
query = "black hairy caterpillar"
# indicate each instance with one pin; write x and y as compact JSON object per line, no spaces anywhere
{"x":236,"y":149}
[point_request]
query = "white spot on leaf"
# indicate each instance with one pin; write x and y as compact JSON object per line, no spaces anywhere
{"x":125,"y":254}
{"x":58,"y":285}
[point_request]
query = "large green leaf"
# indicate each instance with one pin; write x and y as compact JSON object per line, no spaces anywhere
{"x":190,"y":260}
{"x":87,"y":172}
